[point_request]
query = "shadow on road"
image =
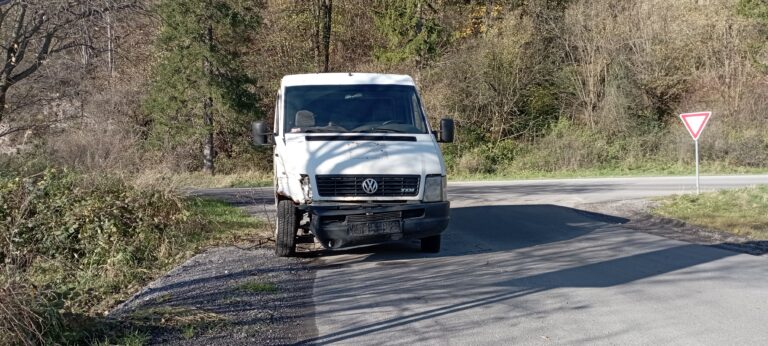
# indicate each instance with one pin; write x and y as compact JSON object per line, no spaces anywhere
{"x":494,"y":228}
{"x":597,"y":275}
{"x":494,"y":255}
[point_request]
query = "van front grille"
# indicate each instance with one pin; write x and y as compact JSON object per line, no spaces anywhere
{"x":352,"y":185}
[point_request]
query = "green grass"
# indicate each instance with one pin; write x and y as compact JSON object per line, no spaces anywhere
{"x":742,"y":212}
{"x":259,"y":287}
{"x":189,"y":332}
{"x":134,"y":338}
{"x":227,"y":224}
{"x":607,"y":172}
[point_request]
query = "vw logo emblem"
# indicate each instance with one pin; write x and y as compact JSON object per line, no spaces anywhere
{"x":370,"y":186}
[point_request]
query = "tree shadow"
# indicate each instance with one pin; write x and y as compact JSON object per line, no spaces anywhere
{"x":495,"y":228}
{"x":523,"y":250}
{"x":609,"y":273}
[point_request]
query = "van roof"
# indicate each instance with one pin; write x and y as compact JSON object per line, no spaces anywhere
{"x":345,"y":79}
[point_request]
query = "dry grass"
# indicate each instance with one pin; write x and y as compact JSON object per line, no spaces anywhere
{"x":19,"y":324}
{"x":177,"y":316}
{"x":168,"y":180}
{"x":742,"y":212}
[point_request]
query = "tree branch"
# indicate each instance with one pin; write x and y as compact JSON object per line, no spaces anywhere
{"x":42,"y":54}
{"x":13,"y":44}
{"x":21,"y":51}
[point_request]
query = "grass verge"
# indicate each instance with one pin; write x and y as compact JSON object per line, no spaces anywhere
{"x":227,"y":224}
{"x":258,"y":287}
{"x":202,"y":180}
{"x":73,"y":246}
{"x":608,"y":172}
{"x":742,"y":212}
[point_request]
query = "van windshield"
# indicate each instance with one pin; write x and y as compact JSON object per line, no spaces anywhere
{"x":353,"y":109}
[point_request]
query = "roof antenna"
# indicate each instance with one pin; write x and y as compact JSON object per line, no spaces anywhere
{"x":350,"y":74}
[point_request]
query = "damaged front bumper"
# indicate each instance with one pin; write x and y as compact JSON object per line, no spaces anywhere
{"x":339,"y":226}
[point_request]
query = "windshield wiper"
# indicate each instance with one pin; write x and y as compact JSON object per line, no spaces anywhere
{"x":378,"y":130}
{"x":321,"y":129}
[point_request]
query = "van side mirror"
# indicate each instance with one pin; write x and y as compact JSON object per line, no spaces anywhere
{"x":260,"y":134}
{"x":446,"y":130}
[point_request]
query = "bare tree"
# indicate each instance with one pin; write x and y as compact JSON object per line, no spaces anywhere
{"x":322,"y":33}
{"x":31,"y":31}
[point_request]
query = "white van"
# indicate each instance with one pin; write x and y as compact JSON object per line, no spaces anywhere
{"x":355,"y":162}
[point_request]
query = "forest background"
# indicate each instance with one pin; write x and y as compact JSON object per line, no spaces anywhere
{"x":109,"y":107}
{"x":538,"y":87}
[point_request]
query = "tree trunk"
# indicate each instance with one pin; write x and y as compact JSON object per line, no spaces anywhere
{"x":419,"y":28}
{"x":318,"y":20}
{"x":110,"y":48}
{"x":208,"y":150}
{"x":327,"y":13}
{"x":3,"y":92}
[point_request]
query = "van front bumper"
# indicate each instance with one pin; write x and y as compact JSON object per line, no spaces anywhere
{"x":339,"y":226}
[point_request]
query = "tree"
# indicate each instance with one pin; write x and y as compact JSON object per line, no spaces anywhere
{"x":411,"y":30}
{"x":757,"y":10}
{"x":323,"y":12}
{"x":199,"y":78}
{"x":31,"y":32}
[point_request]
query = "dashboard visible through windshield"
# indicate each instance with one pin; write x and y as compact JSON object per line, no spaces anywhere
{"x":353,"y":109}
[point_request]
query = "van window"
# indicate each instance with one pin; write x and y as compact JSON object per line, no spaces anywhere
{"x":353,"y":109}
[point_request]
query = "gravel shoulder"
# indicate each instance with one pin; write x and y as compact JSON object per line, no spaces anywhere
{"x":228,"y":295}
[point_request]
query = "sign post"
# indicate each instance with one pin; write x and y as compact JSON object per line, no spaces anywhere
{"x":695,"y":123}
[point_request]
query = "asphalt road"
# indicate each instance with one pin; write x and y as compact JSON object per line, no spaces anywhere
{"x":521,"y":264}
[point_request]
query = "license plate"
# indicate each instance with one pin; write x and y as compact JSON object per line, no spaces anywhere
{"x":372,"y":228}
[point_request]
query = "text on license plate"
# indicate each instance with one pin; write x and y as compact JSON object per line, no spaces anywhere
{"x":370,"y":228}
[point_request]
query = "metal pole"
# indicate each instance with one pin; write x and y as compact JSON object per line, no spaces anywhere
{"x":697,"y":166}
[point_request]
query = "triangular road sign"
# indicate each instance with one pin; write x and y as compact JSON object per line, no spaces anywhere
{"x":695,"y":122}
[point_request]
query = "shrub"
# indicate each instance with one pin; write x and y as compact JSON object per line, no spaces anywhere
{"x":86,"y":221}
{"x":71,"y":245}
{"x":487,"y":158}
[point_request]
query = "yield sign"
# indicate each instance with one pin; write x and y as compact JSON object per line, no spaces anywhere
{"x":695,"y":122}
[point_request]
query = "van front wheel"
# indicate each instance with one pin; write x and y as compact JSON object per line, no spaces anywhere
{"x":287,"y":224}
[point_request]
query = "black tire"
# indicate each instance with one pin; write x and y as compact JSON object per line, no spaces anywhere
{"x":431,"y":244}
{"x":287,"y":225}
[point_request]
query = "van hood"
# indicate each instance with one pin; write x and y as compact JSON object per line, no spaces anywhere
{"x":363,"y":154}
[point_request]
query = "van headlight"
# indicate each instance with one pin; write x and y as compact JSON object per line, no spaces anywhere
{"x":434,"y":188}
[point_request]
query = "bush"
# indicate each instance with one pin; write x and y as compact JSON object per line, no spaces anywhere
{"x":86,"y":221}
{"x":487,"y":158}
{"x":72,"y":245}
{"x":25,"y":314}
